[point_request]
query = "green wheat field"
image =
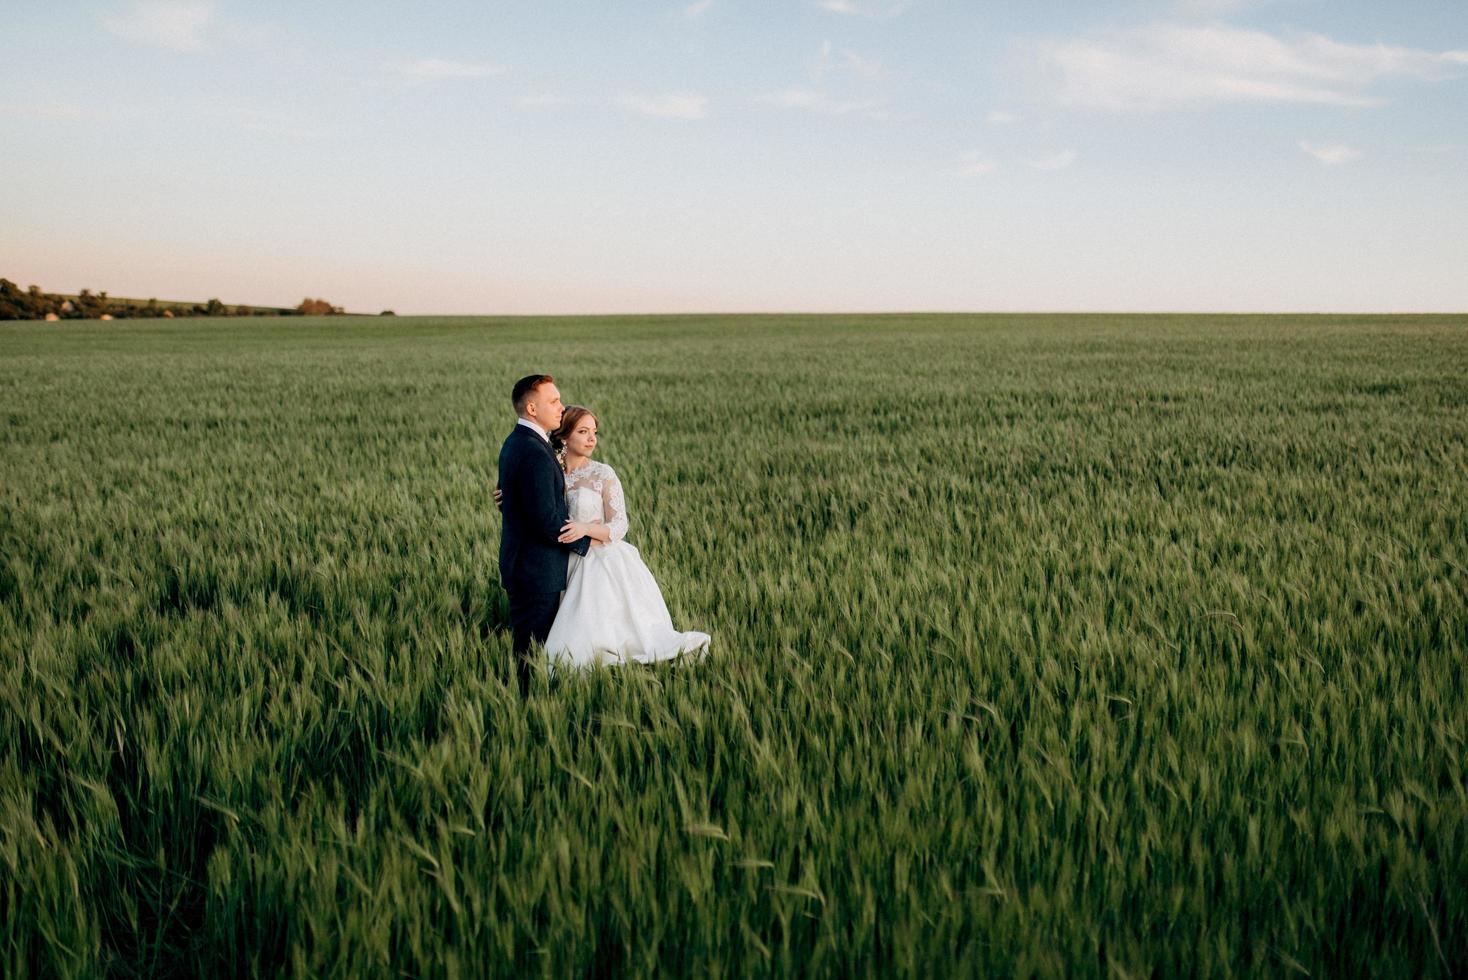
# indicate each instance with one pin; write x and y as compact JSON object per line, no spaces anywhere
{"x":1043,"y":645}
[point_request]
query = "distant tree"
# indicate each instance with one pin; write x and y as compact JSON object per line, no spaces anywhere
{"x":33,"y":304}
{"x":13,"y":303}
{"x":29,"y":305}
{"x":387,"y":313}
{"x":44,"y":304}
{"x":317,"y":307}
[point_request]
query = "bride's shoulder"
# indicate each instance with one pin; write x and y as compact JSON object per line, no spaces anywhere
{"x":593,"y":473}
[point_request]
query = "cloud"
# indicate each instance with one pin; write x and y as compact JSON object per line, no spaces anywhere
{"x":870,"y":10}
{"x":177,"y":25}
{"x":276,"y":124}
{"x":1330,"y":154}
{"x":1214,"y":8}
{"x":1002,"y":117}
{"x":542,"y":100}
{"x":809,"y":99}
{"x":53,"y":111}
{"x":430,"y":68}
{"x":697,"y":9}
{"x":868,"y":68}
{"x":826,"y":61}
{"x":668,"y":106}
{"x":1058,"y":161}
{"x":1170,"y":66}
{"x":975,"y":164}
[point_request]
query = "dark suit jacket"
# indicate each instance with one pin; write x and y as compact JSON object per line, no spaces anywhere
{"x":534,"y":508}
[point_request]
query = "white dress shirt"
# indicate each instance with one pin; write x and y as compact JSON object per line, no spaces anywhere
{"x":534,"y":428}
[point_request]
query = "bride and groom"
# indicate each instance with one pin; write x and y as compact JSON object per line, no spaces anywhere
{"x":574,"y":584}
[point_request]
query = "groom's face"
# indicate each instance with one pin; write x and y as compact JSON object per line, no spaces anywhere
{"x":544,"y":407}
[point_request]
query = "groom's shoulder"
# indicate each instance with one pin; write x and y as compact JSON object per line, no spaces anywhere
{"x":514,"y":442}
{"x":518,"y":434}
{"x":522,"y":441}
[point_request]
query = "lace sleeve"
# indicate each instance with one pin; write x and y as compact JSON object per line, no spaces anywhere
{"x":614,"y":508}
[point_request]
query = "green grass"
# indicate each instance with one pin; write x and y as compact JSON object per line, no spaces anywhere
{"x":1042,"y":645}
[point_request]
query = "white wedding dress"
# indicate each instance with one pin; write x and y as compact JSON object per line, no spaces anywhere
{"x":613,"y":611}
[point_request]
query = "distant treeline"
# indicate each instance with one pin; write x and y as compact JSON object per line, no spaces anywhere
{"x":34,"y":304}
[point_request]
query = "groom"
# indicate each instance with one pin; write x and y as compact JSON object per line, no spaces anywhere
{"x":532,"y":560}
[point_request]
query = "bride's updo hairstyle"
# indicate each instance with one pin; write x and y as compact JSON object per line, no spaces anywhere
{"x":569,"y":420}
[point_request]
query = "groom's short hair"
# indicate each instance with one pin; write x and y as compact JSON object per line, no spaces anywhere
{"x":520,"y":394}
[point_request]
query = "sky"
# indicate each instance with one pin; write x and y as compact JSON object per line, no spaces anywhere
{"x":741,"y":155}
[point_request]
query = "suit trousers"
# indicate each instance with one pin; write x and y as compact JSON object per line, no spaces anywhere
{"x":531,"y":616}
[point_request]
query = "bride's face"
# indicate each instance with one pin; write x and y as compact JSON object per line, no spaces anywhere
{"x":582,"y":439}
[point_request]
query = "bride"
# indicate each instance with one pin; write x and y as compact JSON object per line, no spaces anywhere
{"x":612,"y":611}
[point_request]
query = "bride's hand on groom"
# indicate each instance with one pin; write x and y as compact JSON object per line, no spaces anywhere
{"x":576,"y":530}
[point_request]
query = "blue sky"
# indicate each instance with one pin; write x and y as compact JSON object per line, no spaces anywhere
{"x":823,"y":155}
